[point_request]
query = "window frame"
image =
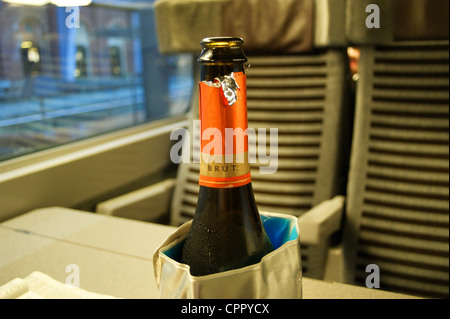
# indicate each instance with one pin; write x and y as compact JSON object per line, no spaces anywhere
{"x":77,"y":173}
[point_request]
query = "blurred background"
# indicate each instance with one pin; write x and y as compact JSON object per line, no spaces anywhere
{"x":91,"y":92}
{"x":67,"y":73}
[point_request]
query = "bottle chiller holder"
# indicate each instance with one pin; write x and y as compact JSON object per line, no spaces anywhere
{"x":277,"y":275}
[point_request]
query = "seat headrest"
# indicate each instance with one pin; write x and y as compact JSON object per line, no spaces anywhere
{"x":399,"y":20}
{"x":265,"y":25}
{"x":421,"y":20}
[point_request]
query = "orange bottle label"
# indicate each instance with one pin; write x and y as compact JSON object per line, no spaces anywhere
{"x":223,"y":127}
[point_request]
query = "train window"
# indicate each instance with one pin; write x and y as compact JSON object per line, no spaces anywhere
{"x":69,"y":73}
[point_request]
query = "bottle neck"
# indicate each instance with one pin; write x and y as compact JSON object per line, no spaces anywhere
{"x":211,"y":71}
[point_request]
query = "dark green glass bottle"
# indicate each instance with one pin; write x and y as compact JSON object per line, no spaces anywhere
{"x":226,"y":231}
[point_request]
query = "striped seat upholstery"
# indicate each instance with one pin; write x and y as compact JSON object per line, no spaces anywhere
{"x":398,"y":192}
{"x":304,"y":97}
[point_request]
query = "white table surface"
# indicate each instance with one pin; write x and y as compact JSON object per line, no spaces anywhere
{"x":114,"y":255}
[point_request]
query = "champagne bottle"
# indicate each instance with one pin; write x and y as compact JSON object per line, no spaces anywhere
{"x":226,"y":232}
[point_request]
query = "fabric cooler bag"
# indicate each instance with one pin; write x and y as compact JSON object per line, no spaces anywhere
{"x":277,"y":275}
